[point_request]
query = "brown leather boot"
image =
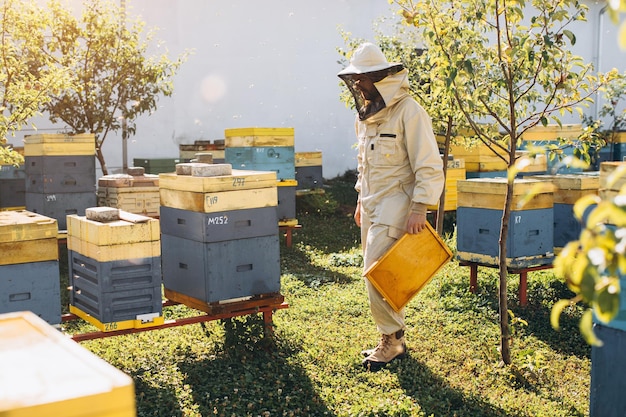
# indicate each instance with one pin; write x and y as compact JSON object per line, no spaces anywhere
{"x":390,"y":347}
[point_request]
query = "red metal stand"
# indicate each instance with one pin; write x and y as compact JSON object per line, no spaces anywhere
{"x":287,"y":232}
{"x":223,"y":312}
{"x":523,"y":277}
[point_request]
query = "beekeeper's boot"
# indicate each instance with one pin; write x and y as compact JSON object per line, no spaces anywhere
{"x":390,"y":347}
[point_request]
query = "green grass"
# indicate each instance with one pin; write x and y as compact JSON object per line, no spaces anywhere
{"x":312,"y":365}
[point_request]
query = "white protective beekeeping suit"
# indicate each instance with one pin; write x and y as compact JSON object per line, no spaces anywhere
{"x":400,"y":169}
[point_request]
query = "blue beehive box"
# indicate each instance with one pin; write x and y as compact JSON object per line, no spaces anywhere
{"x":530,"y":232}
{"x":219,"y":226}
{"x":60,"y":205}
{"x":12,"y":193}
{"x":608,"y":367}
{"x":115,"y":291}
{"x":12,"y":172}
{"x":287,"y":199}
{"x":264,"y":158}
{"x":32,"y":286}
{"x":220,"y":271}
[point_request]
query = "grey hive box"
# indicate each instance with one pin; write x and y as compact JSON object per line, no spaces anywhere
{"x":214,"y":272}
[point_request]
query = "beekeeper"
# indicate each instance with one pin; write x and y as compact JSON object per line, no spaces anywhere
{"x":400,"y":173}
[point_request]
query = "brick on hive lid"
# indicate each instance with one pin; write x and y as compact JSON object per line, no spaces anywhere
{"x":211,"y":170}
{"x":136,"y":171}
{"x":204,"y":157}
{"x":184,"y":168}
{"x":102,"y":214}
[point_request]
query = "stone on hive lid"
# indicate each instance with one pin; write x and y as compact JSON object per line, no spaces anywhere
{"x":102,"y":214}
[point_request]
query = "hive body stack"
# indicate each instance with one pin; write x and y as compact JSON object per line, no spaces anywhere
{"x":309,"y":171}
{"x":530,"y":239}
{"x":188,"y":152}
{"x":29,"y":265}
{"x":549,"y":137}
{"x":135,"y":192}
{"x":568,"y":188}
{"x":60,"y":174}
{"x":47,"y":374}
{"x":455,"y":172}
{"x":608,"y":363}
{"x":219,"y":235}
{"x":267,"y":149}
{"x":13,"y":185}
{"x":114,"y":262}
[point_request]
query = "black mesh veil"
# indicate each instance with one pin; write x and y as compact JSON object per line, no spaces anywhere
{"x":367,"y":107}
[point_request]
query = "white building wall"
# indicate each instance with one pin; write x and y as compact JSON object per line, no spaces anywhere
{"x":273,"y":63}
{"x":256,"y":64}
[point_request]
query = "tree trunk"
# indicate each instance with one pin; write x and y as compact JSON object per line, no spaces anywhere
{"x":441,"y":210}
{"x":505,"y":333}
{"x":103,"y":164}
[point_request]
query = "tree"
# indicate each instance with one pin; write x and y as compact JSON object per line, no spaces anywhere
{"x":509,"y":68}
{"x":115,"y":81}
{"x":27,"y":74}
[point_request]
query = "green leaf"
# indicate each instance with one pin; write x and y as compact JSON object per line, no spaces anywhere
{"x":557,"y":310}
{"x":586,"y":329}
{"x":570,"y":36}
{"x":606,"y":304}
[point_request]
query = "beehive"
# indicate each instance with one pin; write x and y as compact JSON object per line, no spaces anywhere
{"x":12,"y":194}
{"x":455,"y":172}
{"x":549,"y":137}
{"x":46,"y":374}
{"x":137,"y":194}
{"x":530,"y":239}
{"x":264,"y":158}
{"x":27,"y":237}
{"x":569,"y":188}
{"x":479,"y":158}
{"x":233,"y":251}
{"x":114,"y":240}
{"x":12,"y":172}
{"x":241,"y":190}
{"x":309,"y":170}
{"x":219,"y":226}
{"x":221,"y":271}
{"x":612,"y":179}
{"x":259,"y":136}
{"x":60,"y":205}
{"x":608,"y":366}
{"x":490,"y":193}
{"x":157,"y":165}
{"x":287,"y":199}
{"x":552,"y":132}
{"x":187,"y":152}
{"x":32,"y":286}
{"x":115,"y":270}
{"x":59,"y":145}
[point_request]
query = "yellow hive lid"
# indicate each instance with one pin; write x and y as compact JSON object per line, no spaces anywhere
{"x":521,"y":186}
{"x":44,"y":373}
{"x":60,"y":138}
{"x":25,"y":225}
{"x":408,"y":266}
{"x":239,"y":180}
{"x":259,"y":131}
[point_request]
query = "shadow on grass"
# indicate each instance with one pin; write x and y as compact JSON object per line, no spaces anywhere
{"x":250,"y":375}
{"x":155,"y":401}
{"x":543,"y":290}
{"x":436,"y":397}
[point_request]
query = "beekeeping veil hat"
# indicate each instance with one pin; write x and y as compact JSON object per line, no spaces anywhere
{"x":368,"y":58}
{"x":370,"y":61}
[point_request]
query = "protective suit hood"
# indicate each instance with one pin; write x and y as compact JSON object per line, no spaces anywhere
{"x":390,"y":80}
